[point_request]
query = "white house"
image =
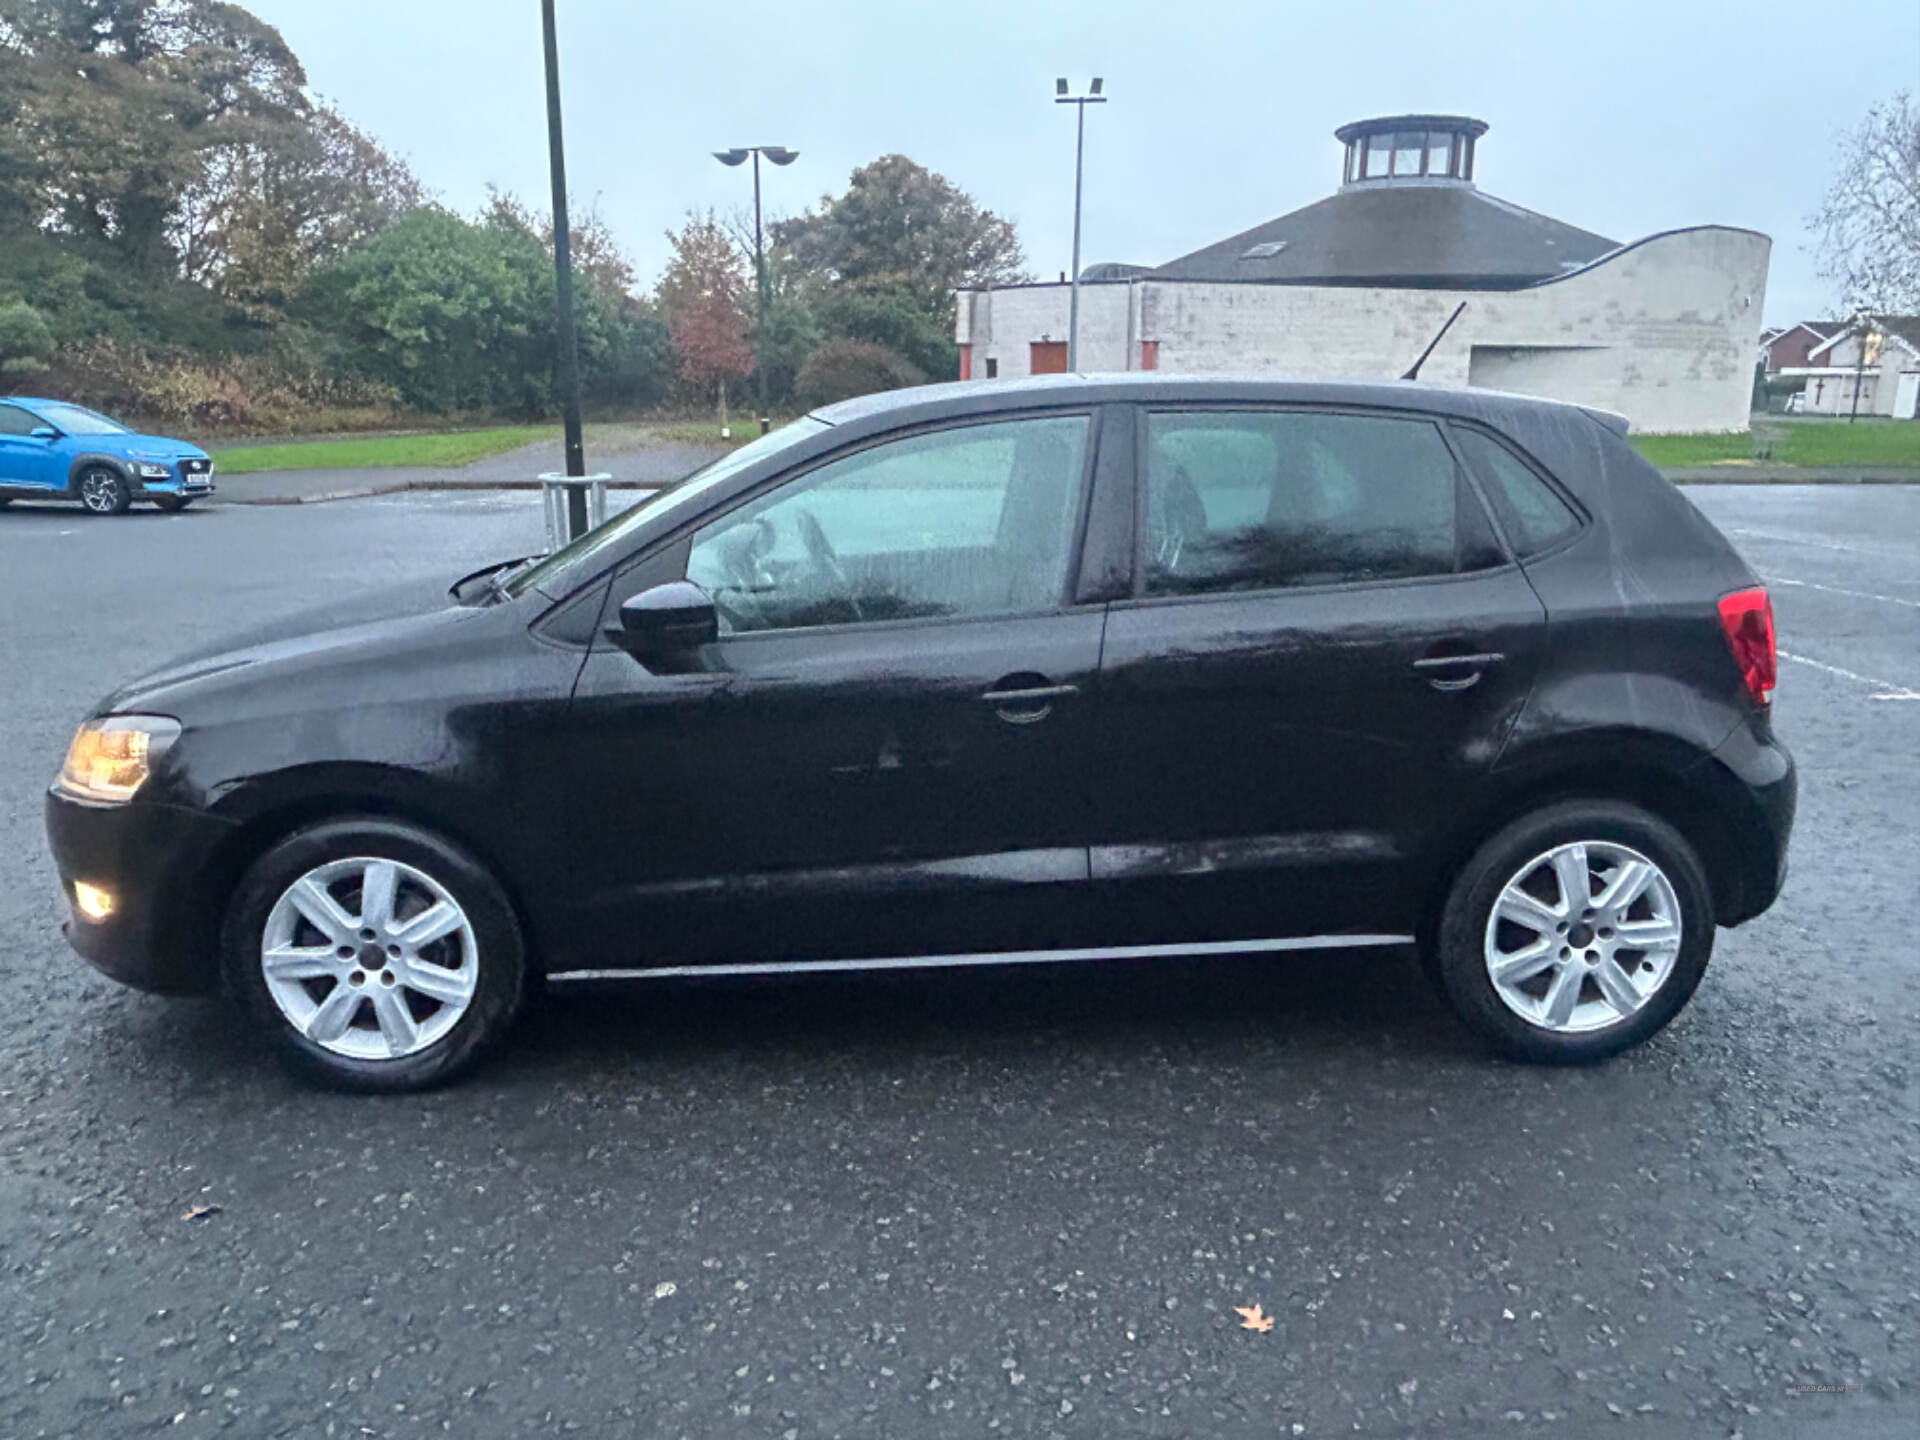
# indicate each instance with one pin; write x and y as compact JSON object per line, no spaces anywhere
{"x":1663,"y":329}
{"x":1881,"y":362}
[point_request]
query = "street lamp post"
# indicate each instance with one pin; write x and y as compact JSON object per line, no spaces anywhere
{"x":569,"y":358}
{"x":779,"y":155}
{"x":1061,"y":97}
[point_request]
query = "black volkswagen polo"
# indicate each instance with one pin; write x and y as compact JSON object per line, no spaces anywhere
{"x":983,"y":674}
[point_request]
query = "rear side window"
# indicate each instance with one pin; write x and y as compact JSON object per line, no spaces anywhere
{"x":1263,"y":500}
{"x":1534,"y":516}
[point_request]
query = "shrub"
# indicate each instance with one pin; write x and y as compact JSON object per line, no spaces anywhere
{"x":841,"y":369}
{"x":26,"y":344}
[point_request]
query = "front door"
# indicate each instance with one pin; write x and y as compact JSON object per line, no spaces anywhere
{"x":1326,"y":650}
{"x":887,"y":750}
{"x":27,"y":461}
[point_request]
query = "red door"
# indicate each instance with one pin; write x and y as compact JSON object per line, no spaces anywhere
{"x":1047,"y":357}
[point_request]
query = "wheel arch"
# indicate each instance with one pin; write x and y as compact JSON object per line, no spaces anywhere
{"x":86,"y":461}
{"x":1663,"y":776}
{"x":268,"y":811}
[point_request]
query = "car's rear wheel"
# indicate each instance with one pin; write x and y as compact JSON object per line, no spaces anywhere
{"x":103,"y":492}
{"x":374,"y":954}
{"x":1576,"y":932}
{"x":173,"y":504}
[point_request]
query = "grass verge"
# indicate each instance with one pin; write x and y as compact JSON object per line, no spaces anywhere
{"x":460,"y":447}
{"x":707,"y":432}
{"x":1782,"y":441}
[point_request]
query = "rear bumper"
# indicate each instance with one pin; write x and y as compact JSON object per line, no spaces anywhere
{"x":150,"y":859}
{"x":1757,"y":791}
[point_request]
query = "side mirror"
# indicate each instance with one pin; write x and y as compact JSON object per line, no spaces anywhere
{"x":44,"y":432}
{"x":664,"y":626}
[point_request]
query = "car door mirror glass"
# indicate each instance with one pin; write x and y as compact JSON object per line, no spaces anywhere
{"x":664,"y":626}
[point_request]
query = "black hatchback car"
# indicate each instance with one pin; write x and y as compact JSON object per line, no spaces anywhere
{"x":981,"y":674}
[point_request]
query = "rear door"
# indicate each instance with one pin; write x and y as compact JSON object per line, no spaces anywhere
{"x":1326,"y":650}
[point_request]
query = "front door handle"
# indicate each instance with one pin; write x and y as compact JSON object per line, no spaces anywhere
{"x":1456,"y":672}
{"x":1023,"y":703}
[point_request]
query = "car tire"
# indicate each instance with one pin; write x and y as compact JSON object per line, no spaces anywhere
{"x":323,"y":982}
{"x":1572,"y":988}
{"x":173,"y":504}
{"x":102,"y":490}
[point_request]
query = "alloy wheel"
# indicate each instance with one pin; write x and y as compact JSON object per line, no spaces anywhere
{"x":370,"y":959}
{"x":100,"y":492}
{"x":1583,"y":936}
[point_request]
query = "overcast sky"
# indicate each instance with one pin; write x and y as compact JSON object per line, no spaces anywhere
{"x":1625,"y":118}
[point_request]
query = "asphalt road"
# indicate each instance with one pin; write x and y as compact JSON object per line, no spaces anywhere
{"x":972,"y":1203}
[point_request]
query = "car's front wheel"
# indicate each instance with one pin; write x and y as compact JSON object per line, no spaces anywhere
{"x":103,"y":492}
{"x":374,"y":954}
{"x":1576,"y":932}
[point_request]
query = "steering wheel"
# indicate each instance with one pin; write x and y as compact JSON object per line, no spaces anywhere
{"x":820,"y":552}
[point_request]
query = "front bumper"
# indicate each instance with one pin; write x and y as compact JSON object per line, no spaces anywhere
{"x":180,"y":480}
{"x":153,"y":860}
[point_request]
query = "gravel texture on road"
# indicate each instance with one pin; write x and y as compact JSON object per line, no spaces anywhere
{"x":972,"y":1203}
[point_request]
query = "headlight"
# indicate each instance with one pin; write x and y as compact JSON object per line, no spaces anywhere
{"x":111,"y":758}
{"x":152,"y":472}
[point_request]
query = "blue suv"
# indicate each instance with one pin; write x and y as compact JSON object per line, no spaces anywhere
{"x":51,"y":450}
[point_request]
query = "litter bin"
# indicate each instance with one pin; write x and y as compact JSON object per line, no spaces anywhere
{"x":574,"y":504}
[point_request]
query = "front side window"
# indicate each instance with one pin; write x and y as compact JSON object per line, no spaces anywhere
{"x":15,"y":421}
{"x":973,"y":521}
{"x":78,"y":420}
{"x":1264,"y":500}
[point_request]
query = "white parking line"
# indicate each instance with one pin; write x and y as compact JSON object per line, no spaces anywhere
{"x":1821,"y":544}
{"x":1836,"y":590}
{"x":1887,"y":689}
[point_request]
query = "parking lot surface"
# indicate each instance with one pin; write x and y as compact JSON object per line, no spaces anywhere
{"x":972,"y":1203}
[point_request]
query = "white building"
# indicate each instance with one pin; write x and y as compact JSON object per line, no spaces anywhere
{"x":1881,"y":362}
{"x":1663,"y":330}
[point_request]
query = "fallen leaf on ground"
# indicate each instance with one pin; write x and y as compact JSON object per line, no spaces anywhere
{"x":200,"y":1212}
{"x":1252,"y":1318}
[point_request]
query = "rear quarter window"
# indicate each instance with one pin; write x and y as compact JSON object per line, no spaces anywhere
{"x":1534,"y":516}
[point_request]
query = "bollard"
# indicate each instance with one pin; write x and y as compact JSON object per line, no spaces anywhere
{"x":574,"y":504}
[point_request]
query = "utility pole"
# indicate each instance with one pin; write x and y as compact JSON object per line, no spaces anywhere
{"x":779,"y":155}
{"x":1860,"y":370}
{"x":569,"y":358}
{"x":1061,"y":97}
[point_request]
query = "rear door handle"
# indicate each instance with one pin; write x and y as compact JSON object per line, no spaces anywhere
{"x":1456,"y":672}
{"x":1026,"y":704}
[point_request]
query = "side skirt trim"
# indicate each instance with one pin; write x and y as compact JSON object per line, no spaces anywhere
{"x":1002,"y":957}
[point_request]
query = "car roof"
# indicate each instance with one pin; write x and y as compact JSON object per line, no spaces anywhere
{"x":975,"y":397}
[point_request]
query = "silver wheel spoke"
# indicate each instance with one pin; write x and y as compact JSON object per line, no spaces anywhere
{"x":1571,"y":869}
{"x":1523,"y":910}
{"x":1628,"y":884}
{"x":311,"y":899}
{"x":1518,"y":965}
{"x":1615,"y":985}
{"x":300,"y":962}
{"x":1657,"y":934}
{"x":436,"y":982}
{"x":396,"y":1021}
{"x":330,"y":1021}
{"x":435,"y":922}
{"x":1562,"y":995}
{"x":377,"y":885}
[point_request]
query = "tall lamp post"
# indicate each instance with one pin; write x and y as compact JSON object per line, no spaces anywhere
{"x":563,"y":278}
{"x":779,"y":155}
{"x":1061,"y":97}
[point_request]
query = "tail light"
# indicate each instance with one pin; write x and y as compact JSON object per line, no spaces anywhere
{"x":1747,"y":618}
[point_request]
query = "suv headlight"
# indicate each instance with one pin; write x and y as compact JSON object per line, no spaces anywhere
{"x":110,"y":758}
{"x":147,"y":471}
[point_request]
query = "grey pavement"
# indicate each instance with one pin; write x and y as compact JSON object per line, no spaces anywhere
{"x":974,"y":1203}
{"x":632,"y":456}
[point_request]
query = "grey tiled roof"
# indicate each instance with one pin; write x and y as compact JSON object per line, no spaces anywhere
{"x":1437,"y":235}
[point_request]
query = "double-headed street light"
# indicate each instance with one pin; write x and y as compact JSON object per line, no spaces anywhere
{"x":779,"y":155}
{"x":1061,"y":97}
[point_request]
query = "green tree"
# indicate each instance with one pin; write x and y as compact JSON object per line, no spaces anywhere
{"x":882,"y":261}
{"x":26,"y":344}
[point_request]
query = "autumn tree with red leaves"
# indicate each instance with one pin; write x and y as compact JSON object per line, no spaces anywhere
{"x":703,"y":297}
